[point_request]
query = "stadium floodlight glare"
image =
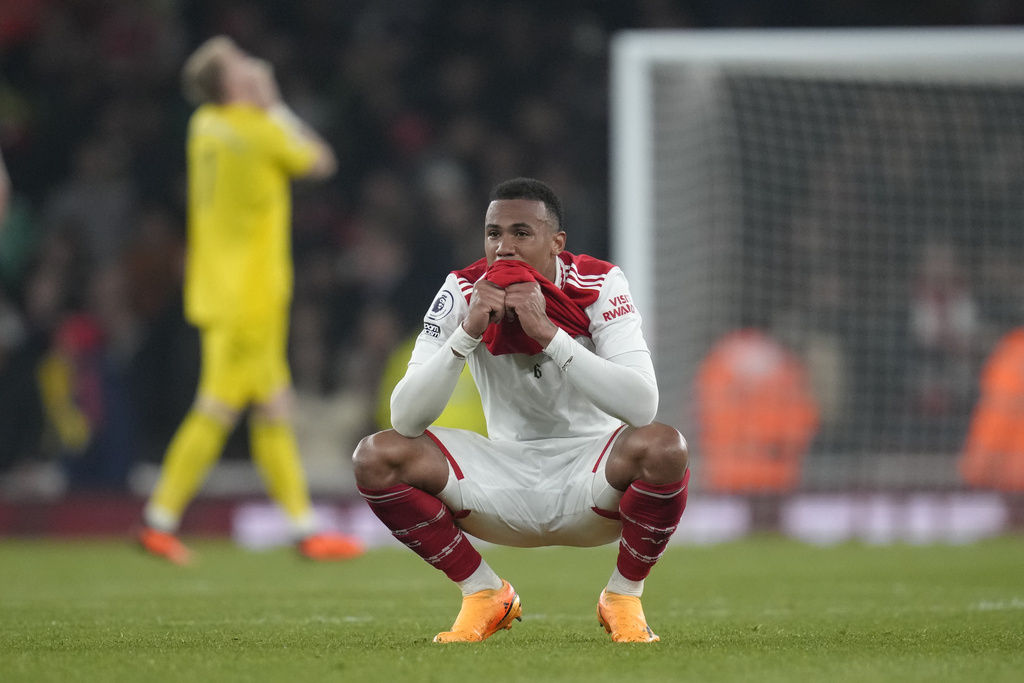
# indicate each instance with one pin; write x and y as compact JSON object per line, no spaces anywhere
{"x":798,"y":181}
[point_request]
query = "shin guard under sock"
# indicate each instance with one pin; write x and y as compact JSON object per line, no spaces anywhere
{"x":650,"y":514}
{"x":426,"y":526}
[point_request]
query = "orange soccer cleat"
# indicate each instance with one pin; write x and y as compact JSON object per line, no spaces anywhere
{"x":164,"y":545}
{"x":623,"y":617}
{"x":330,"y":546}
{"x":483,"y":614}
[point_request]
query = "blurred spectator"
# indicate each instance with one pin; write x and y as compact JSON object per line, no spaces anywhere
{"x":993,"y":454}
{"x":70,"y":385}
{"x":756,"y":415}
{"x":97,"y":200}
{"x":815,"y":327}
{"x":154,"y":262}
{"x":5,"y":191}
{"x":944,"y":334}
{"x":84,"y":386}
{"x":20,"y":413}
{"x":1000,"y":292}
{"x":19,"y":237}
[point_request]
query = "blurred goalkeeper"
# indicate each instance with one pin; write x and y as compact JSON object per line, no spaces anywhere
{"x":568,"y":389}
{"x":244,"y":148}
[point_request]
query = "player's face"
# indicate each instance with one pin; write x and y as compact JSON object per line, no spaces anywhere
{"x":521,"y":230}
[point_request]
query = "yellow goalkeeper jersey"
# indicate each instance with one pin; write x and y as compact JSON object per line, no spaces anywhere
{"x":240,"y":166}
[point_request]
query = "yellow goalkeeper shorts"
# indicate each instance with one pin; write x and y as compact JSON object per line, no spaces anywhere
{"x":244,"y":364}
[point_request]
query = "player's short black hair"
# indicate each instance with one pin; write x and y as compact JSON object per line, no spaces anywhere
{"x":535,"y":190}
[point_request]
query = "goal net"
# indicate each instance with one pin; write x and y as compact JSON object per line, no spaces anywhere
{"x":848,"y":205}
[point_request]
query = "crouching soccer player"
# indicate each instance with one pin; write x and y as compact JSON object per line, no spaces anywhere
{"x":568,"y":388}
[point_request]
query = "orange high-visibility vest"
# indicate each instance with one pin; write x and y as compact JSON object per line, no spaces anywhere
{"x":993,"y":454}
{"x":756,"y":415}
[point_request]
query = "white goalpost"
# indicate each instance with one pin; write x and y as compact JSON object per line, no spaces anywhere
{"x":856,"y":195}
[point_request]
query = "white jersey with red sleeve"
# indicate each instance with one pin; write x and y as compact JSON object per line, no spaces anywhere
{"x":573,"y":388}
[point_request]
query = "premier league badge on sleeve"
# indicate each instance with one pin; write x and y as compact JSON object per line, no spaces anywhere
{"x":442,"y":306}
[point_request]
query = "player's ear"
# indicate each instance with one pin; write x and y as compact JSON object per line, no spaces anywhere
{"x":558,"y":242}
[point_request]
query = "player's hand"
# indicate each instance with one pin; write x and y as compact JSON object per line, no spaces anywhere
{"x":525,"y":300}
{"x":486,"y":306}
{"x":267,"y":93}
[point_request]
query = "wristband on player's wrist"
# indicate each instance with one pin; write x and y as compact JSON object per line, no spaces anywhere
{"x":560,"y":348}
{"x":462,"y":343}
{"x":463,"y":326}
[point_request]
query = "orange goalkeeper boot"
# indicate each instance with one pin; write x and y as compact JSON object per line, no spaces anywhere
{"x":164,"y":545}
{"x":623,"y":617}
{"x":329,"y":546}
{"x":483,"y":614}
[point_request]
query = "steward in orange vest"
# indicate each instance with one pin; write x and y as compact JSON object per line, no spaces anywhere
{"x":756,"y":414}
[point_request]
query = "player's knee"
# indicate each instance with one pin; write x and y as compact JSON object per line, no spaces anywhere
{"x":368,"y":453}
{"x":377,"y":456}
{"x":217,"y":410}
{"x":278,"y":409}
{"x":664,"y":450}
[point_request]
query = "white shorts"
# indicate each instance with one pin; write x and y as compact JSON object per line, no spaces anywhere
{"x":529,"y":494}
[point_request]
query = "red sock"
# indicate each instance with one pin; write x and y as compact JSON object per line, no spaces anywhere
{"x":426,"y":526}
{"x":650,"y":515}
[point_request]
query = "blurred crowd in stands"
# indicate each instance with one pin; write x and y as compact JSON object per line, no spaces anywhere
{"x":428,"y":104}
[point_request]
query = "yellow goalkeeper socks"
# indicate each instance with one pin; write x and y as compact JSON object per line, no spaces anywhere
{"x":194,"y":449}
{"x":276,"y":456}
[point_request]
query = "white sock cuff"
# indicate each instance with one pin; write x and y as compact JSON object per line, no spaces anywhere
{"x":303,"y":526}
{"x":623,"y":586}
{"x":160,"y":519}
{"x":482,"y":579}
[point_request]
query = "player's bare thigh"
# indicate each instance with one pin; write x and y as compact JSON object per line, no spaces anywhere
{"x":388,"y":459}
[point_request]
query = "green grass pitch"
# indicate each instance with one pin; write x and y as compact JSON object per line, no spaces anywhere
{"x":764,"y":609}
